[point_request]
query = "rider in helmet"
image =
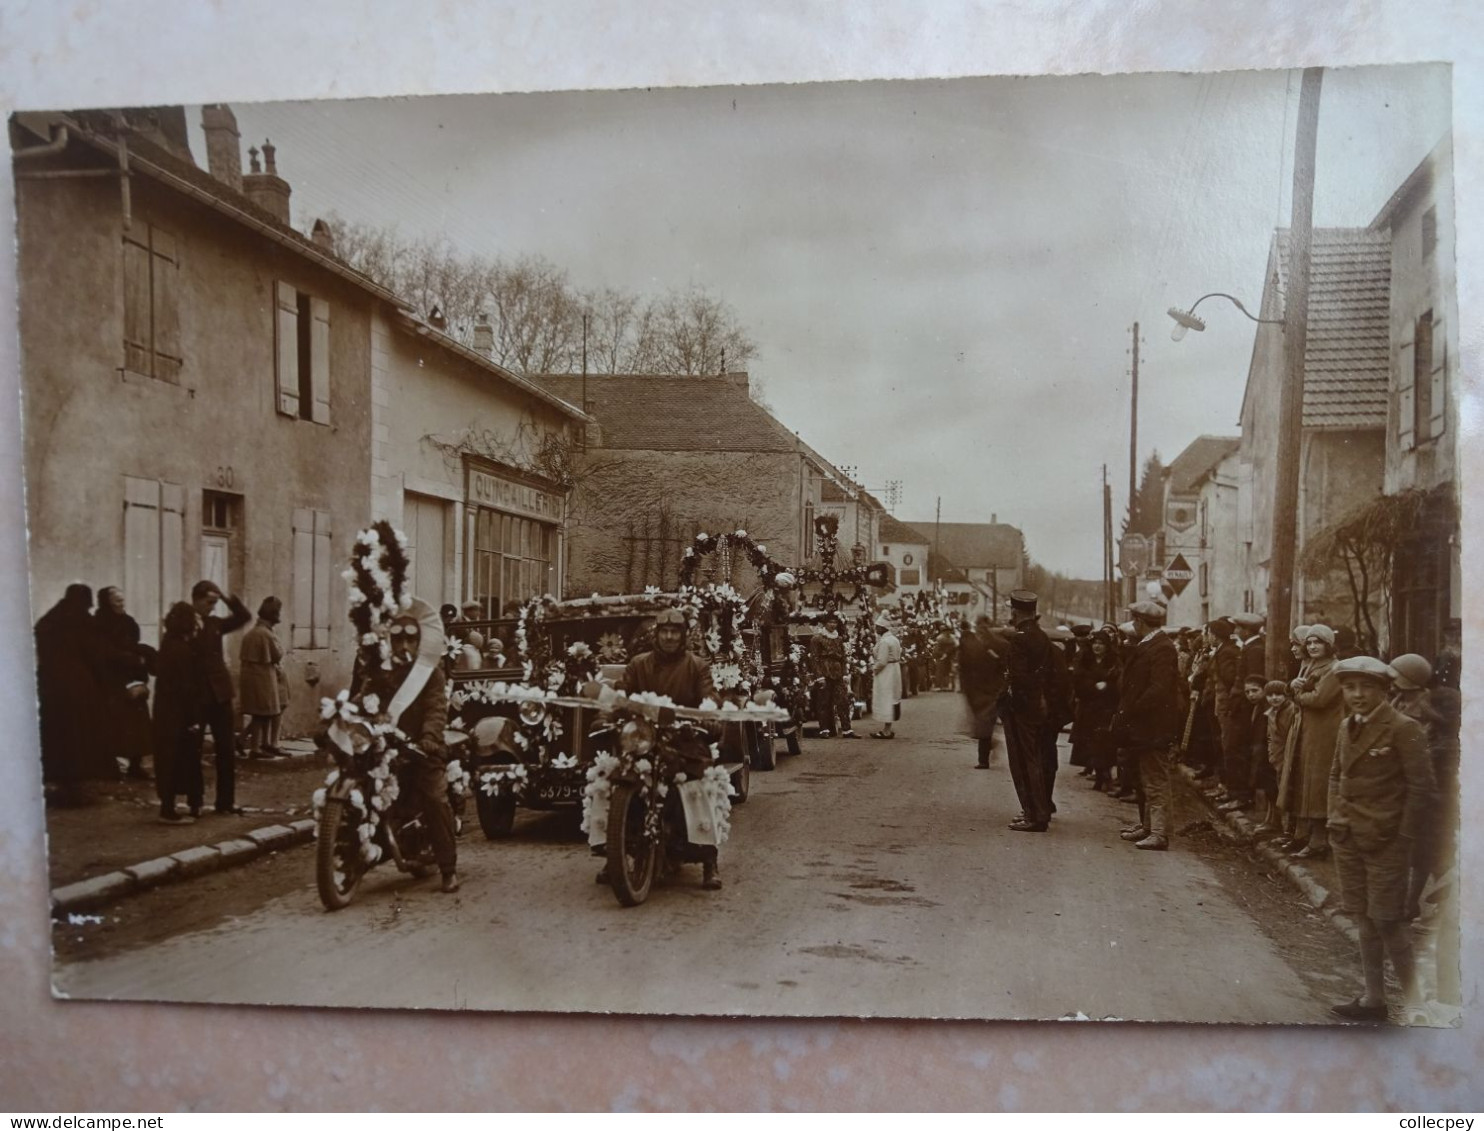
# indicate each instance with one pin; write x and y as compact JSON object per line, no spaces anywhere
{"x":422,"y":721}
{"x":683,"y":677}
{"x":670,"y":670}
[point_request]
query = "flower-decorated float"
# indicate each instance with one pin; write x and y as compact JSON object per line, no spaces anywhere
{"x":530,"y":723}
{"x":791,"y":602}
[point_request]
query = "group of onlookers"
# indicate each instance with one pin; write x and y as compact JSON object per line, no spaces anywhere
{"x":93,"y":667}
{"x":1339,"y":754}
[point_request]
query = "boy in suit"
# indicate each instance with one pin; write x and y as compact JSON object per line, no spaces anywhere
{"x":1380,"y":789}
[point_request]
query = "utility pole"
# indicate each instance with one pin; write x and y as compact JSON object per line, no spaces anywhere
{"x":937,"y":528}
{"x":1109,"y":599}
{"x":1284,"y":551}
{"x":1133,"y":453}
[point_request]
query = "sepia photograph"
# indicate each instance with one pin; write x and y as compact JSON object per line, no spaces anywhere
{"x":977,"y":548}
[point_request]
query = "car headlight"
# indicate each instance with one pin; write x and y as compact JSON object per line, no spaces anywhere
{"x":636,"y":737}
{"x":532,"y":713}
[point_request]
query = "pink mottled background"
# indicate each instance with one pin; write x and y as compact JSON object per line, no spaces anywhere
{"x":56,"y":1056}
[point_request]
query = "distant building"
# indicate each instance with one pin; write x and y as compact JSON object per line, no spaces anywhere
{"x":906,"y":549}
{"x":1347,"y":367}
{"x":1200,"y":532}
{"x":978,"y":562}
{"x":673,"y":456}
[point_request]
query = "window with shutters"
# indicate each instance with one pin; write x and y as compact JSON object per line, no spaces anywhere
{"x":151,"y":302}
{"x":1423,"y":377}
{"x":154,"y":546}
{"x":301,"y":333}
{"x":312,"y":566}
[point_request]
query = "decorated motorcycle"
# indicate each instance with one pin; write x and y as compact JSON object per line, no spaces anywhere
{"x":363,"y":815}
{"x":657,"y":795}
{"x":368,"y":812}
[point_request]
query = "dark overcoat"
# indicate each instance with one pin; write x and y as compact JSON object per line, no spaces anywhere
{"x":1150,"y":696}
{"x":982,"y":674}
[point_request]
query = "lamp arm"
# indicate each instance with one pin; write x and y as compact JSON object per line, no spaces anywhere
{"x":1238,"y":304}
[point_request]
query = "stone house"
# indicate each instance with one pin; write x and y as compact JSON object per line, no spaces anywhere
{"x":1423,"y":427}
{"x":672,"y":456}
{"x":472,"y":461}
{"x":1200,"y":532}
{"x":906,"y":549}
{"x":1346,"y":373}
{"x":196,"y":381}
{"x":978,"y":562}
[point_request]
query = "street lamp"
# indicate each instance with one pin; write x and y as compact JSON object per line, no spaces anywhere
{"x":1186,"y":320}
{"x":1282,"y":552}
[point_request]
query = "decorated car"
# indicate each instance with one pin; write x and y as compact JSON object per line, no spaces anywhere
{"x":529,"y":720}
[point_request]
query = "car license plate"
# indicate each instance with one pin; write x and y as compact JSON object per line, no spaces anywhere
{"x":565,"y":791}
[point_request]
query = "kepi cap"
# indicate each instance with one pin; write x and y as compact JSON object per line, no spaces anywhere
{"x":1023,"y":600}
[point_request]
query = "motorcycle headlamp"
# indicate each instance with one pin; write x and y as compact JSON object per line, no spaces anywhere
{"x":532,"y":713}
{"x":636,"y":736}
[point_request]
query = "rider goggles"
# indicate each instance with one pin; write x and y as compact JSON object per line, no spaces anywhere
{"x":409,"y":631}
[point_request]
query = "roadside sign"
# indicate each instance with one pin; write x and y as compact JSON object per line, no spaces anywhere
{"x":1179,"y":574}
{"x":1133,"y":554}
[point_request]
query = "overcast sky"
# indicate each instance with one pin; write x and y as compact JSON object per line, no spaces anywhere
{"x":941,"y":276}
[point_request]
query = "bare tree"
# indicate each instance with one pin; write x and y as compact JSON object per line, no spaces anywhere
{"x":537,"y":313}
{"x":689,"y":332}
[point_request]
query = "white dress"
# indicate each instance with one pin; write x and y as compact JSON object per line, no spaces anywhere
{"x":886,"y":685}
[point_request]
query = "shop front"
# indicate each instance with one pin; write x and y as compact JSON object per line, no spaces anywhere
{"x":514,"y":538}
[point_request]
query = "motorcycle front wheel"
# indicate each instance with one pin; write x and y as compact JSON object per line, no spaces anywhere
{"x":338,"y":869}
{"x":632,"y":854}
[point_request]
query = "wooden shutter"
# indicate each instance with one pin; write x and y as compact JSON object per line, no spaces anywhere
{"x":286,"y":351}
{"x":137,"y":334}
{"x":142,"y":555}
{"x":319,"y":361}
{"x":172,"y":545}
{"x":323,"y":564}
{"x":165,"y":279}
{"x":301,"y":633}
{"x":1406,"y":428}
{"x":1438,"y":421}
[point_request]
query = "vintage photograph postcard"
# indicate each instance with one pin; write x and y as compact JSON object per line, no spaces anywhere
{"x":976,"y":548}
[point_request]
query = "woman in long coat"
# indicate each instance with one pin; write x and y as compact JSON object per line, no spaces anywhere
{"x":886,"y":686}
{"x":123,"y":671}
{"x":1311,"y":744}
{"x":1096,"y":681}
{"x":182,"y":698}
{"x":262,"y":686}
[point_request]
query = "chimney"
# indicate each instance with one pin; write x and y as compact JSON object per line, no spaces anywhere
{"x":267,"y":190}
{"x":994,"y":520}
{"x":738,"y":379}
{"x":323,"y":237}
{"x":223,"y":144}
{"x":484,"y":336}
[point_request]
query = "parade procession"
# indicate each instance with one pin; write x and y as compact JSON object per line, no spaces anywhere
{"x":430,"y":613}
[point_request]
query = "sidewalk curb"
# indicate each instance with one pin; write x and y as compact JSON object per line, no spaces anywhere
{"x":1238,"y":827}
{"x":188,"y":863}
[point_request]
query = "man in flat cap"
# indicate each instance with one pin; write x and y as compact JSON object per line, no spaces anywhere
{"x":1148,"y":723}
{"x":1026,"y":713}
{"x":1380,"y":790}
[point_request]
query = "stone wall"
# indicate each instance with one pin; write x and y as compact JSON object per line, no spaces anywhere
{"x":635,"y":512}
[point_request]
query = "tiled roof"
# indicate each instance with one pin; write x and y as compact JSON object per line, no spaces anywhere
{"x":642,"y":412}
{"x":1347,"y":357}
{"x":974,"y":545}
{"x":1197,"y":461}
{"x":894,"y":530}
